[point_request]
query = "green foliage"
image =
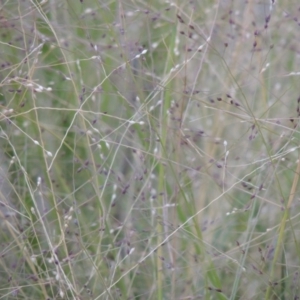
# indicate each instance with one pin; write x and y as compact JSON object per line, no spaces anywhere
{"x":149,"y":150}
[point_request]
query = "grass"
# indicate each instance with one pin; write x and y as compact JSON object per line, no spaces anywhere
{"x":149,"y":150}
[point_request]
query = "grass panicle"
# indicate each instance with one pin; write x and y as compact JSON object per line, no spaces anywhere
{"x":149,"y":150}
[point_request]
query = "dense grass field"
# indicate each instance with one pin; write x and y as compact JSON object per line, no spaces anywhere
{"x":149,"y":149}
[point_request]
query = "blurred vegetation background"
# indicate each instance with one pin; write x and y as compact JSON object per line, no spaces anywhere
{"x":149,"y":149}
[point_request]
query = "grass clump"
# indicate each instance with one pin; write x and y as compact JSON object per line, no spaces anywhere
{"x":149,"y":150}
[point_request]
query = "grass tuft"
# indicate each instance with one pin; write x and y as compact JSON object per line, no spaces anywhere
{"x":149,"y":150}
